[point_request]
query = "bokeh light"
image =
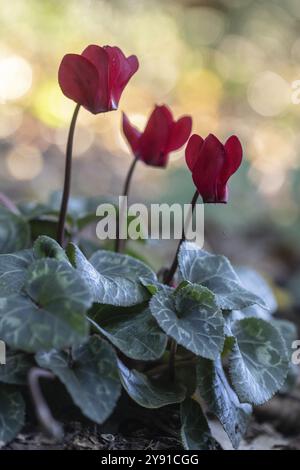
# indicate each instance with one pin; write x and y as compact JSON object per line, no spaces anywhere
{"x":15,"y":77}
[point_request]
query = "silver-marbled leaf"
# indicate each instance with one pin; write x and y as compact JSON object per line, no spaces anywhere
{"x":13,"y":271}
{"x":195,"y":431}
{"x":258,"y":362}
{"x":113,"y":278}
{"x":12,"y":413}
{"x":132,"y":330}
{"x":216,"y":273}
{"x":150,"y":393}
{"x":50,"y":312}
{"x":192,"y":318}
{"x":92,"y":379}
{"x":14,"y":231}
{"x":221,"y":400}
{"x":16,"y":368}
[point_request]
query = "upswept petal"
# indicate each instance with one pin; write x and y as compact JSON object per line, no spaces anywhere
{"x":131,"y":133}
{"x":180,"y":133}
{"x":192,"y":150}
{"x":79,"y":81}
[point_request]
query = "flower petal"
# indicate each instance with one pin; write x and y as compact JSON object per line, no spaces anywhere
{"x":120,"y":71}
{"x":131,"y":133}
{"x":99,"y":58}
{"x":207,"y":168}
{"x":192,"y":150}
{"x":233,"y":157}
{"x":78,"y":79}
{"x":154,"y":140}
{"x":180,"y":133}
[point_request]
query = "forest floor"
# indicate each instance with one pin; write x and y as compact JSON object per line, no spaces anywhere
{"x":275,"y":426}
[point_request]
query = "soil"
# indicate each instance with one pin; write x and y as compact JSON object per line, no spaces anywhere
{"x":275,"y":426}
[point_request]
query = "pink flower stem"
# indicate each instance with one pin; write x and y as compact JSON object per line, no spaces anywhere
{"x":67,"y":180}
{"x":8,"y":203}
{"x":168,"y":280}
{"x":120,"y":244}
{"x":173,"y":268}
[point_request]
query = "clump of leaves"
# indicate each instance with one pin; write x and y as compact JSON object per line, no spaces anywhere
{"x":105,"y":326}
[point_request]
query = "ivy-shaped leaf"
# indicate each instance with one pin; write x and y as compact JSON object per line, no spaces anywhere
{"x":13,"y":271}
{"x":258,"y":362}
{"x":46,"y":247}
{"x":12,"y":413}
{"x":195,"y":432}
{"x":192,"y":318}
{"x":257,"y":284}
{"x":14,"y":232}
{"x":92,"y":378}
{"x":49,"y":313}
{"x":222,"y":401}
{"x":112,"y":278}
{"x":216,"y":273}
{"x":14,"y":266}
{"x":150,"y":393}
{"x":16,"y":368}
{"x":132,"y":330}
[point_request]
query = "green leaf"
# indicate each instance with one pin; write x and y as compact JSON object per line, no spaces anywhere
{"x":195,"y":432}
{"x":112,"y":278}
{"x":16,"y":369}
{"x":288,"y":332}
{"x":216,"y":273}
{"x":257,"y":284}
{"x":50,"y":311}
{"x":258,"y":362}
{"x":191,"y":316}
{"x":46,"y":247}
{"x":13,"y":271}
{"x":150,"y":393}
{"x":12,"y":413}
{"x":14,"y":232}
{"x":132,"y":330}
{"x":222,"y":401}
{"x":92,"y":379}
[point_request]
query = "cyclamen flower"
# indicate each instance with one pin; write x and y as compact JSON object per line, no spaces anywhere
{"x":161,"y":136}
{"x":212,"y":164}
{"x":96,"y":78}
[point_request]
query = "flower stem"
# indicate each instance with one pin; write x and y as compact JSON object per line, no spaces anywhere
{"x":173,"y":268}
{"x":168,"y":280}
{"x":120,"y":244}
{"x":41,"y":408}
{"x":7,"y":202}
{"x":67,"y":181}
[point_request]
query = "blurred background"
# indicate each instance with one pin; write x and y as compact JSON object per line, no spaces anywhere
{"x":231,"y":64}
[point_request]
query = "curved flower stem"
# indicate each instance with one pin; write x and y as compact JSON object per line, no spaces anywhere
{"x":67,"y":181}
{"x":168,"y":280}
{"x":172,"y":270}
{"x":120,"y":244}
{"x":8,"y":203}
{"x":42,"y":410}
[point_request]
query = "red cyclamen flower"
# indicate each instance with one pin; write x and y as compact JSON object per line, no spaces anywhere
{"x":161,"y":136}
{"x":212,"y":164}
{"x":96,"y":78}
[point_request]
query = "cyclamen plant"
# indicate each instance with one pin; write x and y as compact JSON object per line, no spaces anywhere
{"x":201,"y":341}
